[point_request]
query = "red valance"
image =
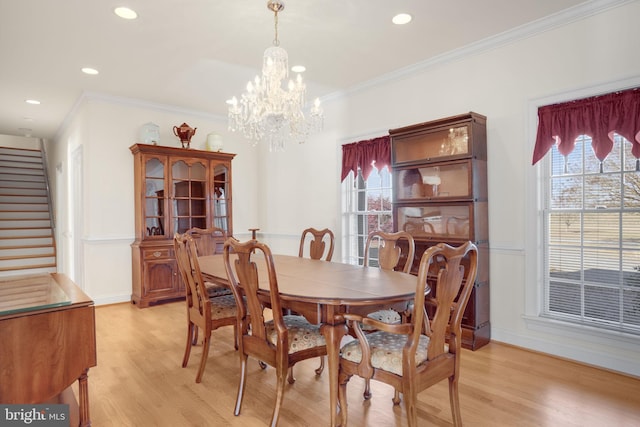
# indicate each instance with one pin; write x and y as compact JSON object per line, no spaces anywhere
{"x":362,"y":154}
{"x":598,"y":117}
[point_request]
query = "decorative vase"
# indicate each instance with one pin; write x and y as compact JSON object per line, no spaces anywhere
{"x":150,"y":133}
{"x":214,"y":142}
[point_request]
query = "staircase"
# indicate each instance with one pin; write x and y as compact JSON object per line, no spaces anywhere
{"x":27,"y":243}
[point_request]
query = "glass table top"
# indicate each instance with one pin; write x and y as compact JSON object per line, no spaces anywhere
{"x":30,"y":293}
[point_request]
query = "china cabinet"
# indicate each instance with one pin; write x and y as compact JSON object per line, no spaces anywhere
{"x":440,"y":195}
{"x":175,"y":189}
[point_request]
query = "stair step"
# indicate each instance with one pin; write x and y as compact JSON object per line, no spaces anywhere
{"x":26,"y":233}
{"x":24,"y":199}
{"x":24,"y":215}
{"x":20,"y":171}
{"x":25,"y":152}
{"x":21,"y":191}
{"x":25,"y":207}
{"x":20,"y":163}
{"x":15,"y":178}
{"x":19,"y":270}
{"x":26,"y":252}
{"x":18,"y":184}
{"x":24,"y":223}
{"x":8,"y":242}
{"x":26,"y":261}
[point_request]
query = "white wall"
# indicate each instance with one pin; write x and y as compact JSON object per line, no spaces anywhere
{"x":283,"y":193}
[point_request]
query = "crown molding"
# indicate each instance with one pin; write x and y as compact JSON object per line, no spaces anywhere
{"x":562,"y":18}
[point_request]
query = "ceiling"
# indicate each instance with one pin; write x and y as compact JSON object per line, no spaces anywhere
{"x":196,"y":54}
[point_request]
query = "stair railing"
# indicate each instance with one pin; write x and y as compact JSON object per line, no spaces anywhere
{"x":49,"y":199}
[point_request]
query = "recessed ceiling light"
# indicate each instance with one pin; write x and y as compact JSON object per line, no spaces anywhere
{"x":91,"y":71}
{"x":125,"y":13}
{"x":401,"y":19}
{"x":28,"y":119}
{"x":298,"y":68}
{"x":32,"y":101}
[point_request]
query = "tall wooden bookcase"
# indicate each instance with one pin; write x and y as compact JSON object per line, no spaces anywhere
{"x":440,"y":195}
{"x":175,"y":189}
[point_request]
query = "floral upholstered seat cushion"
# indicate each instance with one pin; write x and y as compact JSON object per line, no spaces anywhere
{"x":224,"y":306}
{"x":386,"y":316}
{"x":302,"y":334}
{"x":215,"y":290}
{"x":386,"y":351}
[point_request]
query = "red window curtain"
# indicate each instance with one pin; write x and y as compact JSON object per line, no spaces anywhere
{"x":598,"y":117}
{"x":362,"y":154}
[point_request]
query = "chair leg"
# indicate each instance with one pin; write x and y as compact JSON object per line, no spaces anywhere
{"x":281,"y":377}
{"x":187,"y":350}
{"x":367,"y":389}
{"x":410,"y":403}
{"x":396,"y":397}
{"x":243,"y":380}
{"x":206,"y":343}
{"x":455,"y":401}
{"x":342,"y":398}
{"x":321,"y":367}
{"x":290,"y":378}
{"x":235,"y":336}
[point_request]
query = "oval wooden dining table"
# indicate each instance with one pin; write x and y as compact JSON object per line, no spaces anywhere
{"x":322,"y":291}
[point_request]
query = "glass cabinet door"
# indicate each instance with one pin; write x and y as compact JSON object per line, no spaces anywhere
{"x":154,"y":197}
{"x":433,"y":145}
{"x":438,"y":222}
{"x":189,"y":198}
{"x":221,"y":208}
{"x":433,"y":182}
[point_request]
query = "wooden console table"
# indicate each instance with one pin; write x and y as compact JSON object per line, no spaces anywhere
{"x":47,"y":331}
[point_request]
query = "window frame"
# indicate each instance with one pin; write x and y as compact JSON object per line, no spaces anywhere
{"x":354,"y":230}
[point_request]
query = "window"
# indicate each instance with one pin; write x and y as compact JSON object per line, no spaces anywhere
{"x":592,"y":237}
{"x":366,"y":207}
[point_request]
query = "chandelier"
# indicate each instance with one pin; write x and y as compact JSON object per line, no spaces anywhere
{"x":269,"y":111}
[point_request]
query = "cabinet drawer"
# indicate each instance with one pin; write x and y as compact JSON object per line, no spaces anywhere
{"x":157,"y":253}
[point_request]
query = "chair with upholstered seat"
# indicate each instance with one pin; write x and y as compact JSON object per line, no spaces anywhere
{"x":203,"y":311}
{"x":281,"y":342}
{"x":391,"y":255}
{"x":320,"y":244}
{"x":209,"y":241}
{"x":415,"y":355}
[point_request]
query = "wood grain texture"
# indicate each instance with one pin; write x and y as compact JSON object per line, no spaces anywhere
{"x":139,"y":381}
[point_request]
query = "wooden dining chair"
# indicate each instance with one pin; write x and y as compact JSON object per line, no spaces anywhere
{"x":203,"y":311}
{"x":391,"y":256}
{"x":209,"y":241}
{"x":415,"y":355}
{"x":281,"y":342}
{"x":317,"y":242}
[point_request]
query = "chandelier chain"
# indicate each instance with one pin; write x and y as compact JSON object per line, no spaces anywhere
{"x":276,"y":42}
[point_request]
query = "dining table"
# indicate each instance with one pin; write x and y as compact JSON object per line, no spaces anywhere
{"x":322,"y":291}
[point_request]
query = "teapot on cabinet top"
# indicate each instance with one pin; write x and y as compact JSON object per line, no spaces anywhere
{"x":185,"y":133}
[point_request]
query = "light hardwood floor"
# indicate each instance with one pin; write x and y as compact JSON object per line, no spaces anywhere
{"x":139,"y":381}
